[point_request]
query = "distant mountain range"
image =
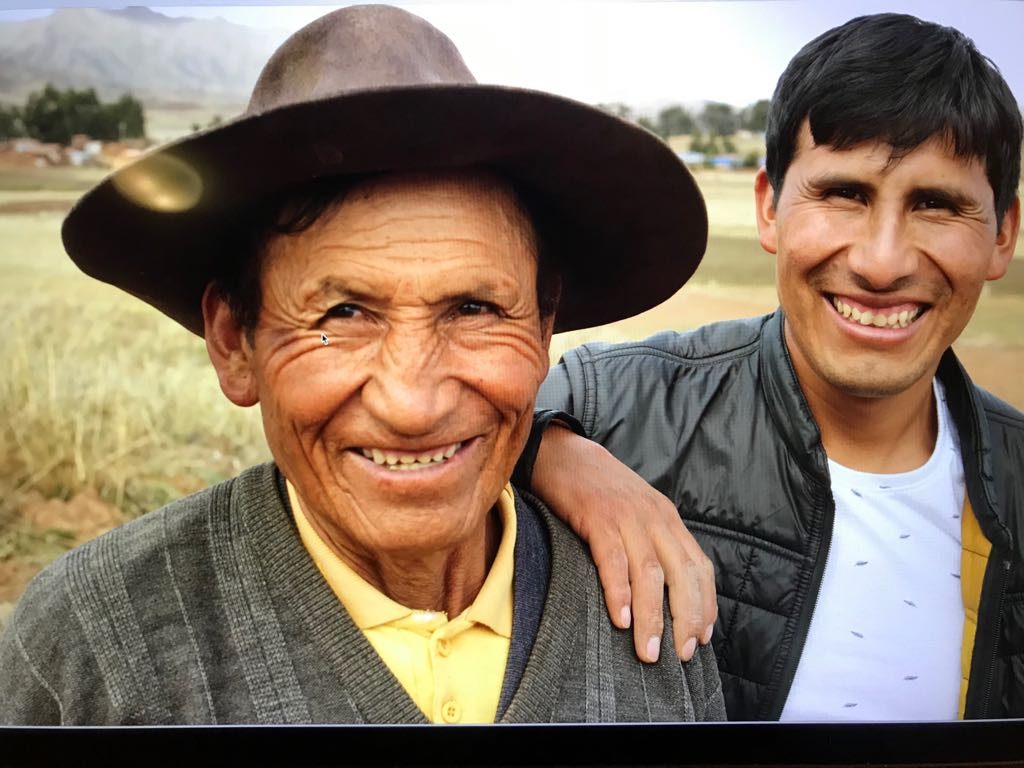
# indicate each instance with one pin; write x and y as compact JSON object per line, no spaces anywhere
{"x":163,"y":61}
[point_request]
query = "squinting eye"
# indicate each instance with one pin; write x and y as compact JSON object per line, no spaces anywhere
{"x":935,"y":203}
{"x":846,"y":193}
{"x":343,"y":311}
{"x":471,"y":308}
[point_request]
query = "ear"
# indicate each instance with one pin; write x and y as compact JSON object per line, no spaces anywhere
{"x":765,"y":211}
{"x":1006,"y":241}
{"x":229,"y":349}
{"x":547,"y":329}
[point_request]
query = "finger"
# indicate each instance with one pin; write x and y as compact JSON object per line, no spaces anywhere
{"x":647,"y":582}
{"x":685,"y":603}
{"x":709,"y":596}
{"x":613,"y":570}
{"x":706,"y":599}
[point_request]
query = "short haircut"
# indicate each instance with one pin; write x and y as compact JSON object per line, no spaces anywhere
{"x":296,"y":210}
{"x":897,"y":79}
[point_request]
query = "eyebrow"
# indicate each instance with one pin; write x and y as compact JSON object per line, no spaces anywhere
{"x":334,"y":287}
{"x":832,"y":180}
{"x":957,"y":197}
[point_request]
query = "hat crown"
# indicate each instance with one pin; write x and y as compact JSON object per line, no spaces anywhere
{"x":357,"y":48}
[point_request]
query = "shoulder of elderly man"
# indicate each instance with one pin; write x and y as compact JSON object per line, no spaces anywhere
{"x":192,"y":614}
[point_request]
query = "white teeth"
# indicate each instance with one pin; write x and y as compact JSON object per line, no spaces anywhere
{"x":895,"y":320}
{"x":408,"y":461}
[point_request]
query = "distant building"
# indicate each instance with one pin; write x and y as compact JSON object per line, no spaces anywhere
{"x":44,"y":154}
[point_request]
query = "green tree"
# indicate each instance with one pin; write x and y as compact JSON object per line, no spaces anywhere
{"x":618,"y":109}
{"x":674,"y":121}
{"x":55,"y":115}
{"x":751,"y":160}
{"x":646,"y":122}
{"x":755,"y":117}
{"x":128,"y":118}
{"x":719,"y":119}
{"x":11,"y":124}
{"x":45,"y":116}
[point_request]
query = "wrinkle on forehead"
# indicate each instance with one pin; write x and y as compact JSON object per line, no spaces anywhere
{"x":480,"y":188}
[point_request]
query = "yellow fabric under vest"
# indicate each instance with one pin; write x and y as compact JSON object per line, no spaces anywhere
{"x":975,"y":549}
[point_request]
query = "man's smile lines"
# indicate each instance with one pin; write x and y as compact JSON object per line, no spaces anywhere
{"x":407,"y":461}
{"x":879,"y":318}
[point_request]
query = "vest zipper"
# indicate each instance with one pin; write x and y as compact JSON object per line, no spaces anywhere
{"x":796,"y":649}
{"x":991,"y":667}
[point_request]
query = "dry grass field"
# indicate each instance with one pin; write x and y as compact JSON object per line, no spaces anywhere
{"x":108,"y":409}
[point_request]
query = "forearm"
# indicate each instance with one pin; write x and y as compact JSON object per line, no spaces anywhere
{"x":636,"y":538}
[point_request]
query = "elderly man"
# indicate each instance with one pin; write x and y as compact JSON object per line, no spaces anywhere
{"x":375,"y":255}
{"x":861,"y":500}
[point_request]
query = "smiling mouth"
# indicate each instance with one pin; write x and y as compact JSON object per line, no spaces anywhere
{"x":879,"y":317}
{"x":408,"y":461}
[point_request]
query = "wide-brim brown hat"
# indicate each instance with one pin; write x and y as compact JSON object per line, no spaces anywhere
{"x":369,"y":89}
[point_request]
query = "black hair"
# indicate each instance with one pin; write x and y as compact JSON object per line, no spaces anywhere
{"x":296,"y":210}
{"x":897,"y":79}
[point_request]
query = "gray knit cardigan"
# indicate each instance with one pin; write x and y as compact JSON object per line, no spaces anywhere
{"x":211,"y":611}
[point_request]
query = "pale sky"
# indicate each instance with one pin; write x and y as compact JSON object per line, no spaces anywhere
{"x":645,"y":54}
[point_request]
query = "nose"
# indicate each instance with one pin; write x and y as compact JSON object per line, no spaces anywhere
{"x":409,"y":390}
{"x":885,"y":254}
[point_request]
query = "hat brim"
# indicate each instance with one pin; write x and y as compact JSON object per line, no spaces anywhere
{"x":630,"y":223}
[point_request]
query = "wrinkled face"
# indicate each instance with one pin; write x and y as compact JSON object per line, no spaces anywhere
{"x":879,"y":263}
{"x":401,"y":430}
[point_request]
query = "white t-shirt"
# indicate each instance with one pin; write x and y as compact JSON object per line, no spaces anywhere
{"x":884,"y":640}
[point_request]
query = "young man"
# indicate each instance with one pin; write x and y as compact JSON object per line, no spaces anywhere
{"x":862,"y":502}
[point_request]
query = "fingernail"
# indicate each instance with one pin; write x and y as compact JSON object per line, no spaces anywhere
{"x":624,"y":617}
{"x":706,"y":638}
{"x":689,"y":649}
{"x":653,"y":648}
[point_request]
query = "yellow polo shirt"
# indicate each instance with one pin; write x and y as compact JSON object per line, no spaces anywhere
{"x":454,"y":669}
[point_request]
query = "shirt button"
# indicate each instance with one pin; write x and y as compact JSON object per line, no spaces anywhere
{"x":444,"y":646}
{"x":451,"y":711}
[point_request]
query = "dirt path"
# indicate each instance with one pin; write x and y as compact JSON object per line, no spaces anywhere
{"x":54,"y":525}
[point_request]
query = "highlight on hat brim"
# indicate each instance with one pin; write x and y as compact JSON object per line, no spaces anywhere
{"x":630,"y":226}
